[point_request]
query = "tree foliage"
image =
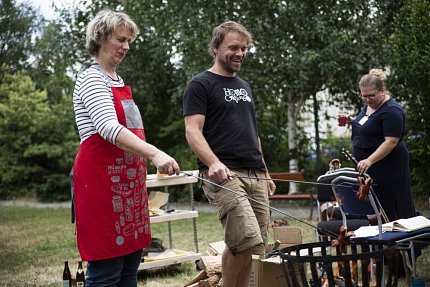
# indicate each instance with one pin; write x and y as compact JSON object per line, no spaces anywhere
{"x":301,"y":47}
{"x":19,"y":22}
{"x":410,"y":82}
{"x":36,"y":139}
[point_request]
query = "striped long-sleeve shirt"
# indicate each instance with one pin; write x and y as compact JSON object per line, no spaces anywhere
{"x":94,"y":106}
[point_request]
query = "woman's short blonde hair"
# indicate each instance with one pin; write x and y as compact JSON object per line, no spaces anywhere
{"x":103,"y":25}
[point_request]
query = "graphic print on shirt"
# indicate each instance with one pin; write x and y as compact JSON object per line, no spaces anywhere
{"x":236,"y":95}
{"x":127,"y":186}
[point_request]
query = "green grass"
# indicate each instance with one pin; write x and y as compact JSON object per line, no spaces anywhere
{"x":34,"y":242}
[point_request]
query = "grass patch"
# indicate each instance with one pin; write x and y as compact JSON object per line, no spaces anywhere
{"x":34,"y":242}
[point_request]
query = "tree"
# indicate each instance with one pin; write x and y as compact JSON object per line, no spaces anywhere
{"x":409,"y":83}
{"x":294,"y":58}
{"x":301,"y":48}
{"x":18,"y":24}
{"x":36,"y":139}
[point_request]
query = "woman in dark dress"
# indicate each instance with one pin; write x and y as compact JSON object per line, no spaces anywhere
{"x":378,"y":144}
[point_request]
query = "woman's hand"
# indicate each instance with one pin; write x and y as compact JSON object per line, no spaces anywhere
{"x":364,"y":165}
{"x":382,"y":151}
{"x":165,"y":163}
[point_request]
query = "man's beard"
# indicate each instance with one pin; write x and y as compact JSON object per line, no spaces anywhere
{"x":228,"y":67}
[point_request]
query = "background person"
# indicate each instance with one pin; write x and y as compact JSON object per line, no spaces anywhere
{"x":221,"y":129}
{"x":112,"y":218}
{"x":377,"y":138}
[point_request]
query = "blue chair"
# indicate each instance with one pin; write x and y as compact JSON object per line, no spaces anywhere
{"x":353,"y":219}
{"x":345,"y":190}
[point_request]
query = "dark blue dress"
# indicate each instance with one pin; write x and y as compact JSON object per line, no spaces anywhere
{"x":391,"y":174}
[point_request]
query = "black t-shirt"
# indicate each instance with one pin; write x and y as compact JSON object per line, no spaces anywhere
{"x":230,"y":126}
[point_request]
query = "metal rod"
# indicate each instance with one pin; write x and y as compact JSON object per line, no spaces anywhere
{"x":295,"y":181}
{"x":262,"y":203}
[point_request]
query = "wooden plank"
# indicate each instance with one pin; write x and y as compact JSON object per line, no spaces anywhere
{"x":195,"y":281}
{"x":211,"y":264}
{"x":164,"y":262}
{"x":176,"y":215}
{"x":295,"y":196}
{"x":152,"y":180}
{"x":295,"y":175}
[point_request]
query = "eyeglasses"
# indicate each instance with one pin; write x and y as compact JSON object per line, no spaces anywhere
{"x":369,"y":97}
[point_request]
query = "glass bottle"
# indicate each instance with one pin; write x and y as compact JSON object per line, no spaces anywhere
{"x":67,"y":276}
{"x":80,"y":276}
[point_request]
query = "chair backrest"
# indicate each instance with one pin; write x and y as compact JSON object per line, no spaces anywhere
{"x":324,"y":191}
{"x":346,"y":197}
{"x":344,"y":189}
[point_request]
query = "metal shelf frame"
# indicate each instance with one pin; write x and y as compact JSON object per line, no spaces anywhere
{"x":153,"y":181}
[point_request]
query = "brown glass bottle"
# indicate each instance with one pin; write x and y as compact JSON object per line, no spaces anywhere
{"x":80,"y":276}
{"x":67,"y":276}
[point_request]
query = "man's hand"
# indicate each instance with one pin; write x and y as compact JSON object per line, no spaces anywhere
{"x":271,"y":187}
{"x":219,"y":173}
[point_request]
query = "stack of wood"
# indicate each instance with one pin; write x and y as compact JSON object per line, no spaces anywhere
{"x":210,"y":276}
{"x":210,"y":263}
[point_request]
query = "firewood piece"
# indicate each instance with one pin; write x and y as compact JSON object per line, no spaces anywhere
{"x":211,"y":264}
{"x":202,"y":275}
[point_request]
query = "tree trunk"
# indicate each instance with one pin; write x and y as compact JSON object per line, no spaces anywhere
{"x":317,"y":135}
{"x":293,"y":107}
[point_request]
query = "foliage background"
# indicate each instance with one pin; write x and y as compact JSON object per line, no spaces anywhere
{"x":301,"y":48}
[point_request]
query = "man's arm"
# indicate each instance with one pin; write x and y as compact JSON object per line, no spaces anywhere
{"x":270,"y":184}
{"x":218,"y":172}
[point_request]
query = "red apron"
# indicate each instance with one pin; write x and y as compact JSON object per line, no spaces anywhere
{"x":112,"y":217}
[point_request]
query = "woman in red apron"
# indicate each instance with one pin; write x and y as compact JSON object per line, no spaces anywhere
{"x":111,"y":205}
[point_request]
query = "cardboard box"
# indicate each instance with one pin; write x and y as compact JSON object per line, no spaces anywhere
{"x":217,"y":248}
{"x":267,"y":272}
{"x":288,"y":236}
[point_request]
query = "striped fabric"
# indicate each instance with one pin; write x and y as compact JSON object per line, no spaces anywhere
{"x":94,"y":106}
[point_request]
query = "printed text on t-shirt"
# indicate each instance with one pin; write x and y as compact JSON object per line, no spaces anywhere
{"x":236,"y":95}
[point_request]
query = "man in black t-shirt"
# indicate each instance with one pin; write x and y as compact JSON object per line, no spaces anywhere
{"x":221,"y":129}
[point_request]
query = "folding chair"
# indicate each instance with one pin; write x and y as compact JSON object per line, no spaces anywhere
{"x":325,"y":193}
{"x":345,"y":190}
{"x":330,"y":225}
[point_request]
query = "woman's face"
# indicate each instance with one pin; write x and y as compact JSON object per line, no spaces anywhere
{"x":115,"y":47}
{"x":372,"y":96}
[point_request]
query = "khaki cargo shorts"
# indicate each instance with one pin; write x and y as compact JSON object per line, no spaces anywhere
{"x":245,"y":221}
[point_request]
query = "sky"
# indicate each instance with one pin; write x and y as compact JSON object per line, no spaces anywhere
{"x":45,"y":6}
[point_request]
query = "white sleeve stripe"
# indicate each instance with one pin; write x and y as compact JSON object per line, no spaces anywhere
{"x":94,"y":106}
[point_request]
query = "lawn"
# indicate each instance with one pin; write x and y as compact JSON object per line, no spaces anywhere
{"x":34,"y":242}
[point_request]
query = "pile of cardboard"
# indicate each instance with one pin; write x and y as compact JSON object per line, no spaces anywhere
{"x":265,"y":272}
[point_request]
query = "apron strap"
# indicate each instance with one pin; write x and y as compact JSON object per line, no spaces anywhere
{"x":99,"y":67}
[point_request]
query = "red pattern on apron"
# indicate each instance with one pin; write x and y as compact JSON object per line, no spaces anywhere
{"x":111,"y":201}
